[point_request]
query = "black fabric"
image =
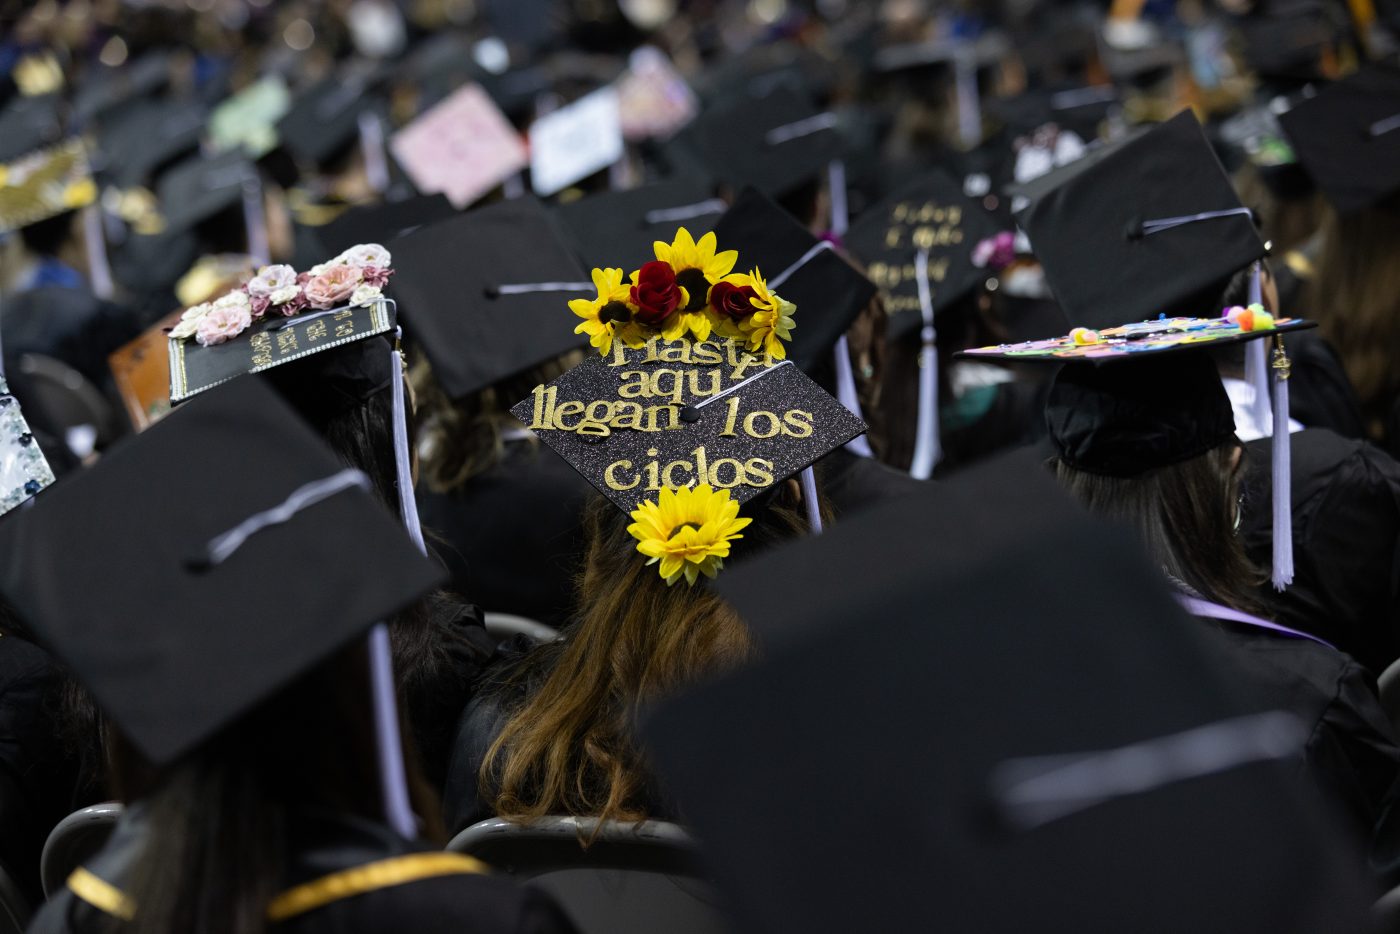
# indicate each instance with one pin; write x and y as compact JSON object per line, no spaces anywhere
{"x":1333,"y":136}
{"x":611,"y":229}
{"x":71,"y":325}
{"x":199,"y":188}
{"x":324,"y":121}
{"x":1320,"y":394}
{"x":445,"y":279}
{"x":853,"y":484}
{"x":1085,"y":222}
{"x":829,"y":293}
{"x":138,"y":140}
{"x":325,"y":384}
{"x":27,"y":124}
{"x":324,"y":844}
{"x":956,"y":643}
{"x":379,"y":223}
{"x":1125,"y":418}
{"x":195,"y":645}
{"x":1345,"y":496}
{"x":513,"y":536}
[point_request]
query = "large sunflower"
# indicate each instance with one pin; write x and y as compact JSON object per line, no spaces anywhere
{"x":688,"y":531}
{"x":608,"y":316}
{"x":771,"y":323}
{"x":697,"y":266}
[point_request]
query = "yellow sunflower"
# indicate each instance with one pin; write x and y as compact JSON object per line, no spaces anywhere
{"x":771,"y":323}
{"x":697,"y":267}
{"x":610,"y":315}
{"x":688,"y":531}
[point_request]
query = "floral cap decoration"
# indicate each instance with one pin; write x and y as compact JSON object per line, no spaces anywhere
{"x":44,"y":184}
{"x":691,"y":407}
{"x":279,"y":315}
{"x":690,"y":289}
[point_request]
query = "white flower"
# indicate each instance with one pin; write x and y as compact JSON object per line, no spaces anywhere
{"x":195,"y":312}
{"x":320,"y":268}
{"x":283,"y":295}
{"x":236,"y":300}
{"x":365,"y":294}
{"x":365,"y":254}
{"x":189,"y":321}
{"x":271,"y":279}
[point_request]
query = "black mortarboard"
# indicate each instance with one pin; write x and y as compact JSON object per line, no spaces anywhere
{"x":470,"y":290}
{"x":199,"y":188}
{"x":1288,"y":44}
{"x":617,"y":228}
{"x":1133,"y":230}
{"x":676,"y":413}
{"x":999,"y":787}
{"x":930,"y":212}
{"x":828,"y":292}
{"x":775,"y":143}
{"x":27,"y":124}
{"x":200,"y":641}
{"x":136,"y":142}
{"x":381,"y":222}
{"x":1080,"y":109}
{"x":1348,"y":137}
{"x":105,"y":88}
{"x":324,"y":121}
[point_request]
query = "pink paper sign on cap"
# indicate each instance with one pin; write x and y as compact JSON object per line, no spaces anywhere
{"x":462,"y":147}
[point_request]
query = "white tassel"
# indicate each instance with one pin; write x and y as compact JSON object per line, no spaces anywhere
{"x":926,"y":441}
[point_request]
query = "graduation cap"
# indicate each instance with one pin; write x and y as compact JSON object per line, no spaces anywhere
{"x":385,"y":221}
{"x":1138,"y":242}
{"x":324,"y":121}
{"x":462,"y":147}
{"x":139,"y":140}
{"x":106,"y":88}
{"x":929,"y":213}
{"x":1288,"y":44}
{"x":485,"y":294}
{"x":808,"y":271}
{"x":279,"y":317}
{"x":775,"y":143}
{"x":44,"y":184}
{"x":29,"y":123}
{"x":206,"y":633}
{"x":199,"y":188}
{"x":618,"y":228}
{"x":677,"y":414}
{"x":1348,"y":137}
{"x":1127,"y":803}
{"x":247,"y":121}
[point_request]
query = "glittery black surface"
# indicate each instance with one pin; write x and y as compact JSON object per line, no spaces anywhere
{"x":782,"y":390}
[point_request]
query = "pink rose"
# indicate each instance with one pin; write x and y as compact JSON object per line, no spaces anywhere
{"x":259,"y":304}
{"x":333,"y":286}
{"x":223,"y":324}
{"x":303,"y":278}
{"x":377,"y":276}
{"x":294,"y":305}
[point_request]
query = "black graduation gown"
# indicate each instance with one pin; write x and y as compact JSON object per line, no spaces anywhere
{"x":513,"y":534}
{"x":853,"y":483}
{"x":71,"y":325}
{"x":1351,"y":754}
{"x":1346,"y":542}
{"x":347,"y":875}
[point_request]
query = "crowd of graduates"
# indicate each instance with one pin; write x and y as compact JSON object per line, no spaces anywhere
{"x":932,"y":461}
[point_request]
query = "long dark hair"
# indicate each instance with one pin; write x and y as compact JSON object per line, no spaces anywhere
{"x":1186,"y":515}
{"x":223,"y":815}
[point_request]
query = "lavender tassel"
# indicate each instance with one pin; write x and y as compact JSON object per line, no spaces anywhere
{"x":926,"y":449}
{"x":1256,"y":360}
{"x":1282,"y":473}
{"x":408,"y":505}
{"x":810,"y":501}
{"x":850,"y":398}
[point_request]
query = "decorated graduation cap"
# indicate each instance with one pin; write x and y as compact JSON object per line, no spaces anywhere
{"x":690,"y":408}
{"x":1158,"y":212}
{"x":481,"y":293}
{"x":45,"y":183}
{"x":620,"y":226}
{"x":1127,"y":804}
{"x":775,"y":142}
{"x":206,"y":635}
{"x":24,"y":471}
{"x":247,"y":121}
{"x":926,"y":246}
{"x":1348,"y":137}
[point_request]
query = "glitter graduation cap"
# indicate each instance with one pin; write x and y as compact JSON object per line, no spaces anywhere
{"x":44,"y":184}
{"x":1158,"y":212}
{"x":206,"y":634}
{"x":685,"y":415}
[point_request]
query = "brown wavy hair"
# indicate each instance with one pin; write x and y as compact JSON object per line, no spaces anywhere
{"x":570,"y":747}
{"x":1356,"y":298}
{"x":1185,"y":514}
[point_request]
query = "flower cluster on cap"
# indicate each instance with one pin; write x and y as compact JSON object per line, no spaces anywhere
{"x":689,"y":289}
{"x":355,"y":277}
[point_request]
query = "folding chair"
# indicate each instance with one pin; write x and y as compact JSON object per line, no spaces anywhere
{"x":73,"y":841}
{"x":504,"y":625}
{"x":632,"y":878}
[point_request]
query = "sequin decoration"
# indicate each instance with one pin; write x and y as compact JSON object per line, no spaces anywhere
{"x":23,"y":469}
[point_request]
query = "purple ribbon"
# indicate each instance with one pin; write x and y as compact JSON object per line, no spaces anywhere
{"x":1198,"y":607}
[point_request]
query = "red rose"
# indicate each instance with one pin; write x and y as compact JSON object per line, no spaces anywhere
{"x":656,"y":294}
{"x":732,"y":300}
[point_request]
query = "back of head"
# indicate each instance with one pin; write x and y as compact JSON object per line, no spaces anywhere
{"x":570,"y":749}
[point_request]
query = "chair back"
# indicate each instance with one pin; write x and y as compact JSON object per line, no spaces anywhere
{"x":73,"y":841}
{"x":630,"y":878}
{"x":504,"y":625}
{"x":69,"y":402}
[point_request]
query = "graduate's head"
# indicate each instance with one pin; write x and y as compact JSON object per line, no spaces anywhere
{"x":1151,"y":442}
